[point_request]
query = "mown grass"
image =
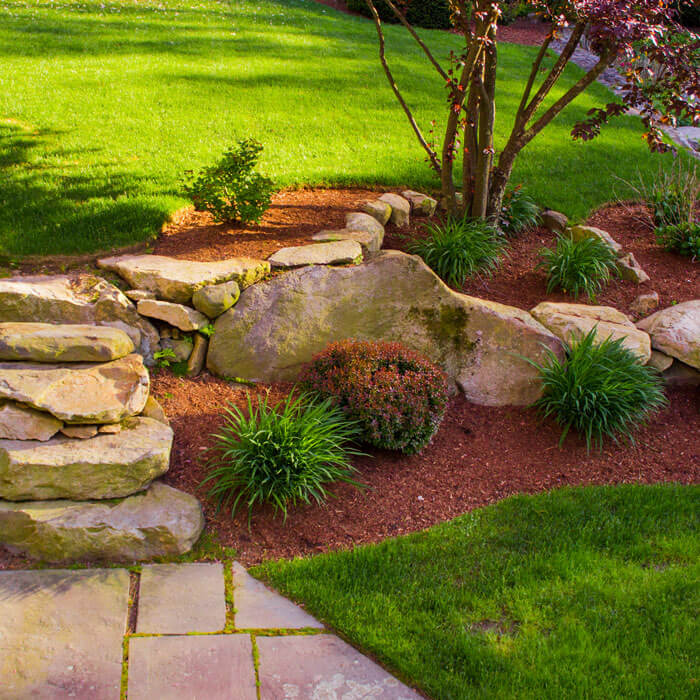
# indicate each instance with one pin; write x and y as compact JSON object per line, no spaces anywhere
{"x":577,"y":593}
{"x":103,"y":105}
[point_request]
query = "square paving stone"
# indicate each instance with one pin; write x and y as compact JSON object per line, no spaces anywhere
{"x":198,"y":667}
{"x":181,"y":598}
{"x":257,"y":607}
{"x":61,"y":633}
{"x":322,"y":666}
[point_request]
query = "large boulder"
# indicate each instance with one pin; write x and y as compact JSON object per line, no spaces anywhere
{"x":570,"y":322}
{"x":19,"y":422}
{"x":158,"y":522}
{"x":676,"y":331}
{"x":79,"y":393}
{"x":47,"y":342}
{"x":104,"y":466}
{"x":177,"y":280}
{"x":83,"y":299}
{"x":481,"y":345}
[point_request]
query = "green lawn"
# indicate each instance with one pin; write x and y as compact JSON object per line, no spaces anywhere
{"x":577,"y":593}
{"x":104,"y":105}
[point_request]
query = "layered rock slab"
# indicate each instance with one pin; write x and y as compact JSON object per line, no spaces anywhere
{"x":178,"y":315}
{"x":83,"y":299}
{"x":104,"y":466}
{"x":79,"y":393}
{"x":176,"y":280}
{"x":570,"y":322}
{"x":330,"y":253}
{"x":278,"y":326}
{"x":161,"y":521}
{"x":18,"y":422}
{"x":676,"y":331}
{"x":47,"y":342}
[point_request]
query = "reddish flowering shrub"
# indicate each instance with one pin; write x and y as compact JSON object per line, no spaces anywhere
{"x":397,"y":396}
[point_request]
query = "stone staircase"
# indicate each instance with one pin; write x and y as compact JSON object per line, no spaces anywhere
{"x":82,"y":445}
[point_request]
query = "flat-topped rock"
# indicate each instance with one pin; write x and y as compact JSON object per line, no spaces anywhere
{"x":578,"y":233}
{"x":158,"y":522}
{"x":421,"y":203}
{"x":177,"y":280}
{"x":331,"y":253}
{"x":213,"y":300}
{"x":79,"y":393}
{"x":400,"y":209}
{"x":18,"y":422}
{"x":82,"y":299}
{"x":80,"y":432}
{"x":278,"y":326}
{"x":380,"y":210}
{"x":676,"y":331}
{"x":48,"y":342}
{"x":370,"y":242}
{"x":178,"y":315}
{"x":103,"y":466}
{"x":572,"y":321}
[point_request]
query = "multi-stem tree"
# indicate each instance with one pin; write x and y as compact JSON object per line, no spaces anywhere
{"x":658,"y":59}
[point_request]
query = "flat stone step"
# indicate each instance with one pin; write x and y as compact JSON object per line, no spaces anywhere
{"x":178,"y":315}
{"x":81,"y":299}
{"x":331,"y":253}
{"x":177,"y":280}
{"x":79,"y":393}
{"x":47,"y":342}
{"x":370,"y":242}
{"x":103,"y":466}
{"x":159,"y":522}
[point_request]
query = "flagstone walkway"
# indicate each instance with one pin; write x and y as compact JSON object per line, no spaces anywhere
{"x":173,"y":631}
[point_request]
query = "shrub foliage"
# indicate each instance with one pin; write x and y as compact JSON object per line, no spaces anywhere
{"x":432,"y":14}
{"x":459,"y":248}
{"x":683,"y":238}
{"x":519,"y":212}
{"x":601,"y":390}
{"x":398,"y":397}
{"x":577,"y":267}
{"x":231,"y":190}
{"x":282,"y":454}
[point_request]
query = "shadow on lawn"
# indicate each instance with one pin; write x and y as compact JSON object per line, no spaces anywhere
{"x":45,"y":211}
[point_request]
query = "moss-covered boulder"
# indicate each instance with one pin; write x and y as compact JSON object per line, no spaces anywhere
{"x":176,"y":280}
{"x":48,"y":342}
{"x":103,"y":466}
{"x":482,"y":346}
{"x":81,"y":299}
{"x":158,"y":522}
{"x":79,"y":393}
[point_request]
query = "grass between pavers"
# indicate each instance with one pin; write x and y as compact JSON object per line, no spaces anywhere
{"x":103,"y":105}
{"x":580,"y":592}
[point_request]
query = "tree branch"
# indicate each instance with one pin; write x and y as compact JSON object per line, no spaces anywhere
{"x":434,"y":161}
{"x":533,"y":75}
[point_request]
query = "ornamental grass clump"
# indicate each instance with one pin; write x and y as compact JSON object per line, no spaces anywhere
{"x":282,"y":455}
{"x":397,"y":397}
{"x":519,"y":212}
{"x":601,"y":390}
{"x":577,"y":267}
{"x":459,"y":248}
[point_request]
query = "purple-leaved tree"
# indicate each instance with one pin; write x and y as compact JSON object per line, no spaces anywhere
{"x":658,"y":59}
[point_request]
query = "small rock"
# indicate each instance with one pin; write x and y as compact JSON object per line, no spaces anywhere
{"x":420,"y":203}
{"x":331,"y":253}
{"x":380,"y":210}
{"x":555,"y":221}
{"x":644,"y":304}
{"x":578,"y":233}
{"x":400,"y":209}
{"x":370,"y":242}
{"x":182,"y":349}
{"x":359,"y":221}
{"x":139,"y":294}
{"x":48,"y":342}
{"x":198,"y":357}
{"x":660,"y":361}
{"x":19,"y":422}
{"x":154,"y":410}
{"x":676,"y":331}
{"x":629,"y":269}
{"x":213,"y":300}
{"x":110,"y":428}
{"x":166,"y":332}
{"x":80,"y":432}
{"x":680,"y":374}
{"x":182,"y":317}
